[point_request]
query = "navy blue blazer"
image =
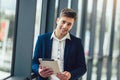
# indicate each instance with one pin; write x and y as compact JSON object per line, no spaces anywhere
{"x":74,"y":59}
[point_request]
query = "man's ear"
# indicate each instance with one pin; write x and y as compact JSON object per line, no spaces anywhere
{"x":57,"y":20}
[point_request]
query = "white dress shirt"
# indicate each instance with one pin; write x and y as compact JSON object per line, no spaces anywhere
{"x":58,"y":47}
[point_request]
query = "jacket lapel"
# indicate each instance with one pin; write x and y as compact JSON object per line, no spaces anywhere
{"x":49,"y":47}
{"x":67,"y":51}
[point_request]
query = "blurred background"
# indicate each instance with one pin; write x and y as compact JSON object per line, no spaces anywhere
{"x":98,"y":25}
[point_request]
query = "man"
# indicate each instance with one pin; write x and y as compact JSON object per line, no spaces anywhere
{"x":62,"y":46}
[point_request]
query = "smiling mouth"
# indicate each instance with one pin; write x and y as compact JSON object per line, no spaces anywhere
{"x":63,"y":30}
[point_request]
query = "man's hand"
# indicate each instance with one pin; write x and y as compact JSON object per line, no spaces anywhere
{"x":64,"y":75}
{"x":45,"y":72}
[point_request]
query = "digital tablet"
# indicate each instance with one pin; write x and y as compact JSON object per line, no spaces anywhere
{"x":53,"y":64}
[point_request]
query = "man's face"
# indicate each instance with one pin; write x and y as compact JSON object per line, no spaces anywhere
{"x":64,"y":25}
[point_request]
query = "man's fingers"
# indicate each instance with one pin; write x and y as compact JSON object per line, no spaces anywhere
{"x":46,"y":72}
{"x":64,"y":75}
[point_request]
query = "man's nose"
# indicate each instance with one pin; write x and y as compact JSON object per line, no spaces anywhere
{"x":65,"y":26}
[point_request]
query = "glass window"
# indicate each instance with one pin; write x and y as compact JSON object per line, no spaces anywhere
{"x":116,"y":48}
{"x":107,"y":36}
{"x":7,"y":19}
{"x":38,"y":20}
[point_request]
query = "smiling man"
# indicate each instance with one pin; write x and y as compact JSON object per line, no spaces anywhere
{"x":62,"y":46}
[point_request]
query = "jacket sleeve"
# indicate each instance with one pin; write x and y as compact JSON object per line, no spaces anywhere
{"x":80,"y":71}
{"x":36,"y":55}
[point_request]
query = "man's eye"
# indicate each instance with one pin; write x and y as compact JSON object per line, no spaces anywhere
{"x":69,"y":24}
{"x":63,"y":22}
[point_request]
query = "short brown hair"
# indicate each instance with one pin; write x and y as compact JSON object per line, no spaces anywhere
{"x":68,"y":13}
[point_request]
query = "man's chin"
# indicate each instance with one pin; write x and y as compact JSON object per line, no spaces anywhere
{"x":63,"y":34}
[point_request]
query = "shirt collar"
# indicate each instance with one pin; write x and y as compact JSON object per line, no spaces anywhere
{"x":67,"y":36}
